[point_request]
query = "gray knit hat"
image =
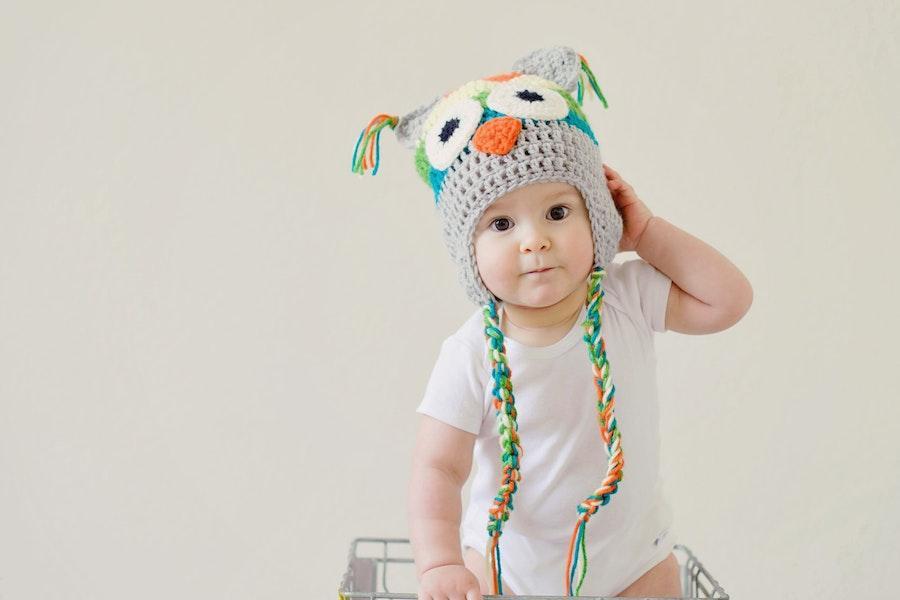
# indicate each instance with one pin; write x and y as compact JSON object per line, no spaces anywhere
{"x":493,"y":135}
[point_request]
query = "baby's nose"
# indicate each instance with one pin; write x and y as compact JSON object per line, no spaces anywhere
{"x":497,"y":136}
{"x":535,"y":241}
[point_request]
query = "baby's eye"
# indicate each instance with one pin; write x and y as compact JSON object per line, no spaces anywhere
{"x":500,"y":220}
{"x":556,"y":211}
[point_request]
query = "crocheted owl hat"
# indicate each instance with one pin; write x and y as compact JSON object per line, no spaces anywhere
{"x":473,"y":145}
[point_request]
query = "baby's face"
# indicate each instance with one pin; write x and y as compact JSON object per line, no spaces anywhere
{"x":538,"y":225}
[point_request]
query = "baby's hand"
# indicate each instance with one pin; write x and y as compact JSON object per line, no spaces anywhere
{"x":449,"y":582}
{"x":635,"y":214}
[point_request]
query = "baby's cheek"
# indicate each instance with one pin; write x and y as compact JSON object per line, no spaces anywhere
{"x":492,"y":277}
{"x":587,"y":260}
{"x":583,"y":249}
{"x":495,"y":274}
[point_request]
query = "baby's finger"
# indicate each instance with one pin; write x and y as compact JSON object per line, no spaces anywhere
{"x":474,"y":595}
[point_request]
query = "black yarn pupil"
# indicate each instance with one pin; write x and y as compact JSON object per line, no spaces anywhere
{"x":529,"y":96}
{"x":447,"y":130}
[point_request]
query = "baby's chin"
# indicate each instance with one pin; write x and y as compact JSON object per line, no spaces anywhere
{"x":546,"y":295}
{"x":535,"y":298}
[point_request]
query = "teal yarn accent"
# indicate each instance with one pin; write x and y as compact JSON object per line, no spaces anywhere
{"x":575,"y":121}
{"x":499,"y":572}
{"x":356,"y":151}
{"x":575,"y":559}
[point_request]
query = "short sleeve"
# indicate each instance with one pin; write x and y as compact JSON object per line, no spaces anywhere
{"x":455,"y":390}
{"x":647,"y":290}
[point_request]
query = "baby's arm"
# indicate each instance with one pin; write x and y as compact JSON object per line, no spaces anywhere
{"x":708,"y":293}
{"x":442,"y":459}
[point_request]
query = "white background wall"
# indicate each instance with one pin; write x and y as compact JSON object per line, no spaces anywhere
{"x":213,"y":336}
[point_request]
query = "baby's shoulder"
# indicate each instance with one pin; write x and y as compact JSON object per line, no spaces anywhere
{"x":471,"y":332}
{"x":639,"y":290}
{"x":467,"y":343}
{"x":615,"y":291}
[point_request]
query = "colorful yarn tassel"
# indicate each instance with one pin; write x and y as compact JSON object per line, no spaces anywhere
{"x":582,"y":551}
{"x":369,"y":139}
{"x":586,"y":71}
{"x":504,"y":403}
{"x":609,"y":431}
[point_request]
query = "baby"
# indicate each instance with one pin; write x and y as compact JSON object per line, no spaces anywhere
{"x":533,"y":218}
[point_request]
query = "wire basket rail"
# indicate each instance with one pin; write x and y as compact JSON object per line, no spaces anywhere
{"x":376,"y":566}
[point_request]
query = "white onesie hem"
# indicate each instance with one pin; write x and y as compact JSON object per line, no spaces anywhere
{"x":510,"y":574}
{"x":658,"y":557}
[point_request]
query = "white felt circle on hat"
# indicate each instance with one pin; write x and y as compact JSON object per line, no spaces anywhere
{"x":449,"y":136}
{"x":527,"y":101}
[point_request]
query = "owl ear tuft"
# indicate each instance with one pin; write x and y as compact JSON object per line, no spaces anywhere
{"x":559,"y":64}
{"x":563,"y":66}
{"x":409,"y":129}
{"x":369,"y":139}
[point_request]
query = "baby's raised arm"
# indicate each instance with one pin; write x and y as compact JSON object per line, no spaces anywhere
{"x":442,"y":460}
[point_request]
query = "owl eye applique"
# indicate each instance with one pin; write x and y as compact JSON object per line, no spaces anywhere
{"x":527,"y":101}
{"x":451,"y":134}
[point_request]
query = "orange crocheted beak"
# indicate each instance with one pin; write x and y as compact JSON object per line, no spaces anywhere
{"x":497,"y":136}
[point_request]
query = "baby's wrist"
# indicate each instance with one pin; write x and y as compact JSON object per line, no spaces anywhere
{"x":449,"y":564}
{"x":644,"y":232}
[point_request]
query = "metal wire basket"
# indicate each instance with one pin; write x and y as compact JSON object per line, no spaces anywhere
{"x":367,"y":573}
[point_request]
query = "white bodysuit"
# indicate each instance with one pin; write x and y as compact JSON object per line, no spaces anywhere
{"x":564,"y":459}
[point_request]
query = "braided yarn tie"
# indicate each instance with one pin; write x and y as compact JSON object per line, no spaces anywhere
{"x":504,"y":404}
{"x":609,"y":430}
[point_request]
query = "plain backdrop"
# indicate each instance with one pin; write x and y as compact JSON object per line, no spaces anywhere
{"x":213,"y":336}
